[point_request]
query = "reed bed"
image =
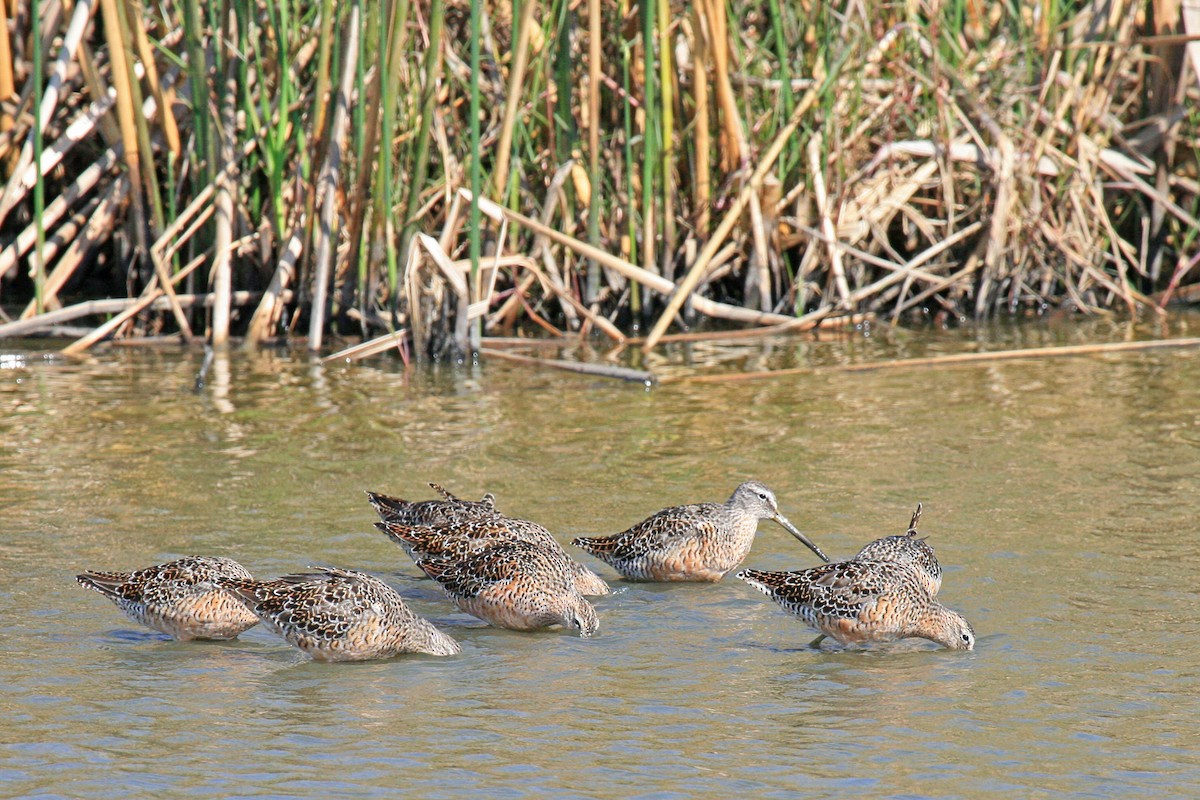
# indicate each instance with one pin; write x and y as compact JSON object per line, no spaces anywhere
{"x":431,"y":175}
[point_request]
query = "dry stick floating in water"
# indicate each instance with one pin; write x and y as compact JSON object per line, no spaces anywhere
{"x":959,"y":358}
{"x":602,"y":370}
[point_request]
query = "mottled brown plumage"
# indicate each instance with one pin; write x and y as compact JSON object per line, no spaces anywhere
{"x":469,"y":527}
{"x":340,"y":615}
{"x":884,"y":593}
{"x":179,"y":598}
{"x":449,"y":509}
{"x":699,"y":542}
{"x":516,"y":585}
{"x":910,"y":549}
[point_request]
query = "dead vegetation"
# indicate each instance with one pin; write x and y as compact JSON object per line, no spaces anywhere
{"x":288,"y":170}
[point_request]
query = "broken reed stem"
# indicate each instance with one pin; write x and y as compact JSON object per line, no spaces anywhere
{"x":652,"y":281}
{"x":956,"y":359}
{"x":601,"y":370}
{"x":1020,"y":203}
{"x":730,"y":220}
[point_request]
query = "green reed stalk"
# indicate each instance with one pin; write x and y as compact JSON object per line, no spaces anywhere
{"x":324,"y":56}
{"x":275,"y":140}
{"x":564,"y":63}
{"x":635,"y":299}
{"x":193,"y":33}
{"x":667,"y":92}
{"x":792,"y":154}
{"x":650,"y":113}
{"x":420,"y":163}
{"x":390,"y":94}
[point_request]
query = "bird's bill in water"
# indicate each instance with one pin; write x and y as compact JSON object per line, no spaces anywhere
{"x":782,"y":520}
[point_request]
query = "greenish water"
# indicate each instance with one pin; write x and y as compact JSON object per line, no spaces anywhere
{"x":1061,"y":496}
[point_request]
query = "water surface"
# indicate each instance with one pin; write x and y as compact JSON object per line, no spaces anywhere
{"x":1060,"y":495}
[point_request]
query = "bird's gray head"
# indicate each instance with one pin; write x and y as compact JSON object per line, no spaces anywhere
{"x":956,"y":633}
{"x":754,"y":496}
{"x":581,"y":615}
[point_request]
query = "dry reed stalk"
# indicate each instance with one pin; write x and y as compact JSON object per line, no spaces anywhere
{"x":360,"y":198}
{"x":550,"y":203}
{"x":458,"y":284}
{"x":1002,"y":208}
{"x":649,"y":279}
{"x":666,"y":94}
{"x":53,"y":241}
{"x":733,"y":147}
{"x":271,"y":307}
{"x":83,"y":183}
{"x":700,"y":122}
{"x":327,"y":183}
{"x":50,"y":97}
{"x":53,"y":155}
{"x":595,"y":42}
{"x":752,"y":186}
{"x":512,"y":97}
{"x":527,"y":263}
{"x":821,"y":320}
{"x":221,"y":274}
{"x":152,"y":293}
{"x":760,"y":270}
{"x":164,"y":98}
{"x":96,"y":89}
{"x":601,"y":370}
{"x":371,"y":347}
{"x":897,"y":272}
{"x":92,"y":308}
{"x":100,"y":220}
{"x":7,"y":86}
{"x":113,"y":33}
{"x":950,"y":360}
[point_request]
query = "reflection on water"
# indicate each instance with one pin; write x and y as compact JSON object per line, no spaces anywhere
{"x":1058,"y":494}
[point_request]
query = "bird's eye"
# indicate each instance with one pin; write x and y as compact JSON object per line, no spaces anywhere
{"x":966,"y":637}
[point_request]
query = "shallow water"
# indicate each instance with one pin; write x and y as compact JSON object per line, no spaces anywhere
{"x":1060,"y":496}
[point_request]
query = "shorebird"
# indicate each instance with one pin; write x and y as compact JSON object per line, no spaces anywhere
{"x":470,"y":527}
{"x":179,"y":598}
{"x":340,"y":615}
{"x":430,"y":512}
{"x":700,"y":542}
{"x":884,"y":593}
{"x":517,"y":585}
{"x":907,"y":548}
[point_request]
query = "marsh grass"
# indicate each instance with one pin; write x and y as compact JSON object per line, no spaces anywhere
{"x":327,"y":163}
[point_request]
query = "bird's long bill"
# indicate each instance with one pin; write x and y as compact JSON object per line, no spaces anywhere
{"x":782,"y":520}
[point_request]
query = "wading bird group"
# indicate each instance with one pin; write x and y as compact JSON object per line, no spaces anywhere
{"x":512,"y":573}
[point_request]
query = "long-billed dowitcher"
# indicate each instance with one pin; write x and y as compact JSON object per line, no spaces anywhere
{"x":430,"y":512}
{"x":699,"y":542}
{"x":340,"y":615}
{"x":517,"y":585}
{"x":179,"y":598}
{"x":909,"y":549}
{"x":884,"y":593}
{"x":469,"y":528}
